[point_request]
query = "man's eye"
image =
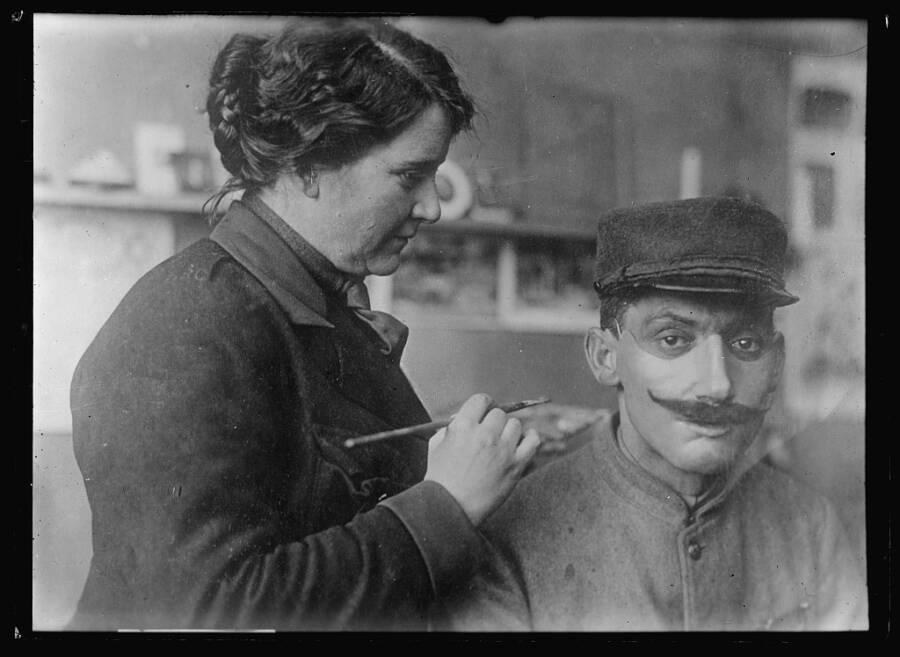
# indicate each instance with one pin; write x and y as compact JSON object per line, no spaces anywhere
{"x":674,"y":342}
{"x":747,"y":345}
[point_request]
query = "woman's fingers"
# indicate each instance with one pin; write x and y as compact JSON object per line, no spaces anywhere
{"x":511,"y":432}
{"x":473,"y":410}
{"x":528,"y":447}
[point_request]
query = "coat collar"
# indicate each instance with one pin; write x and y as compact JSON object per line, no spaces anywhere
{"x":256,"y":246}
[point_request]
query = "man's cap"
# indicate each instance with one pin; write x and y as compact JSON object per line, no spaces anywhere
{"x":711,"y":244}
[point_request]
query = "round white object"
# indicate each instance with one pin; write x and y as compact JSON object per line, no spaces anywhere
{"x":462,"y":193}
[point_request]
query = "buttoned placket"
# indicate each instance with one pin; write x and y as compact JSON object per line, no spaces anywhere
{"x":690,"y":550}
{"x":693,"y":545}
{"x":690,"y":554}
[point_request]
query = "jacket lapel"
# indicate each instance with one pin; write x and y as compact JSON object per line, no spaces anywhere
{"x":361,"y":362}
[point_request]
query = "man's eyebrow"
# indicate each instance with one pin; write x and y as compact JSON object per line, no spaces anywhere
{"x":668,"y":313}
{"x":741,"y":321}
{"x":746,"y":321}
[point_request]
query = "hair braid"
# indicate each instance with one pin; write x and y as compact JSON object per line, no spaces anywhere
{"x":229,"y":105}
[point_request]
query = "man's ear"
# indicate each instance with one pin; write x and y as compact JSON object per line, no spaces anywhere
{"x":600,"y":350}
{"x":778,"y":365}
{"x":775,"y":371}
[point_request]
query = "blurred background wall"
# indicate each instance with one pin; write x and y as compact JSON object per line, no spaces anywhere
{"x":578,"y":116}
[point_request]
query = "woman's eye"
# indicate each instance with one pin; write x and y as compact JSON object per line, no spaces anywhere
{"x":411,"y":178}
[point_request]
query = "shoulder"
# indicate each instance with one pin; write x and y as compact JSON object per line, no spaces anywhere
{"x":541,"y":501}
{"x":783,"y":498}
{"x":199,"y":286}
{"x":787,"y":514}
{"x":198,"y":299}
{"x":765,"y":479}
{"x":198,"y":272}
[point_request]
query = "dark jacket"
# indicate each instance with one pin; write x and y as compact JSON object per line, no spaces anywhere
{"x":208,"y":420}
{"x":592,"y":542}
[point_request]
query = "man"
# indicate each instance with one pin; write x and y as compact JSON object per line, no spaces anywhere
{"x":668,"y":520}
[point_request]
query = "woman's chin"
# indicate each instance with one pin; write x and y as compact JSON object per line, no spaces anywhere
{"x":383,"y":265}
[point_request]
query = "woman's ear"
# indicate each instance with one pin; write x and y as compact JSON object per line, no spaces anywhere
{"x":600,"y":350}
{"x":309,"y":183}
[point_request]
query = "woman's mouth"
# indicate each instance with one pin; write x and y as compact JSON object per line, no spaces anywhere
{"x":404,"y":239}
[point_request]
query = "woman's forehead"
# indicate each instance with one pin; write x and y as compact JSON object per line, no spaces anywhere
{"x":425,"y":140}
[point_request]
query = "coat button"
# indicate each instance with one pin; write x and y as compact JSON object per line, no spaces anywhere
{"x":694,"y":550}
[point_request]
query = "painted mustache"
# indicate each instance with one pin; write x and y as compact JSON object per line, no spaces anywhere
{"x":702,"y":413}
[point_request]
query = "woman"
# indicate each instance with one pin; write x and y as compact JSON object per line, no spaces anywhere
{"x":210,"y":411}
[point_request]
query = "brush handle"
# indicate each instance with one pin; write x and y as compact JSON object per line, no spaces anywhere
{"x":424,"y":431}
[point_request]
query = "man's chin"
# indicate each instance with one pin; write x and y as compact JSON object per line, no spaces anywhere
{"x":713,"y":460}
{"x":710,"y":455}
{"x":710,"y":467}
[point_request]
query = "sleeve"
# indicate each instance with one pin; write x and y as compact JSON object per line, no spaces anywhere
{"x":180,"y":438}
{"x":494,"y":600}
{"x":450,"y":548}
{"x":842,"y":598}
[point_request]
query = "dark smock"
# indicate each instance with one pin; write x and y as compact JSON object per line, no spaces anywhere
{"x":209,"y":416}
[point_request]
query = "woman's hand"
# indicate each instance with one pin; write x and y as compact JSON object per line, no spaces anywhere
{"x":478,"y":458}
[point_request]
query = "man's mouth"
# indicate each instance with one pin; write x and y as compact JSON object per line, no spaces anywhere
{"x":705,"y":429}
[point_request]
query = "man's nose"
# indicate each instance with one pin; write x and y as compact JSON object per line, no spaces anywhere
{"x":427,"y":208}
{"x":714,"y":382}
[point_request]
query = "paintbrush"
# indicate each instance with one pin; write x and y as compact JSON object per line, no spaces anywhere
{"x":425,"y":431}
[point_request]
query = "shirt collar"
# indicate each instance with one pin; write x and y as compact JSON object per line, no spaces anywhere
{"x":283,"y":271}
{"x":634,"y":484}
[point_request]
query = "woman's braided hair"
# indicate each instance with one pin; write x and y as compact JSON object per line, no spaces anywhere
{"x":321,"y":95}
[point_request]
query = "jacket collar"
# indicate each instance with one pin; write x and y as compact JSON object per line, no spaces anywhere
{"x":256,"y":246}
{"x":328,"y":277}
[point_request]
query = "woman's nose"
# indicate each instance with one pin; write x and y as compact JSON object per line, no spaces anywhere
{"x":428,"y":204}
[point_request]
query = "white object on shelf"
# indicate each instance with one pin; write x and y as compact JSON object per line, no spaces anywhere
{"x":494,"y":215}
{"x":101,"y":169}
{"x":220,"y":174}
{"x":507,"y":279}
{"x":462,"y":193}
{"x":691,"y":168}
{"x":154,"y":145}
